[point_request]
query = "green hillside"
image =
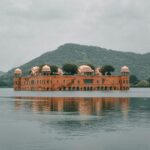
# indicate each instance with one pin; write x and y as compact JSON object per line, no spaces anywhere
{"x":139,"y":64}
{"x":1,"y":73}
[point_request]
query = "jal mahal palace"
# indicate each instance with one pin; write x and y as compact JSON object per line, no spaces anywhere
{"x":87,"y":79}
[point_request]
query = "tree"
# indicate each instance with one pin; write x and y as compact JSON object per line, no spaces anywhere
{"x":70,"y":69}
{"x":92,"y":66}
{"x":143,"y":83}
{"x":148,"y":80}
{"x":3,"y":84}
{"x":107,"y":69}
{"x":54,"y":69}
{"x":133,"y":79}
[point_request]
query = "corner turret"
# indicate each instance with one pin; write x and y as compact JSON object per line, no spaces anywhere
{"x":18,"y":73}
{"x":125,"y":71}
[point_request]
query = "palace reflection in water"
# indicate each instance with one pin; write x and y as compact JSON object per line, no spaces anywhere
{"x":81,"y":106}
{"x":74,"y":123}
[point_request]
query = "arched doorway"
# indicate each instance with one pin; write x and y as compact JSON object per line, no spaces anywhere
{"x":98,"y":88}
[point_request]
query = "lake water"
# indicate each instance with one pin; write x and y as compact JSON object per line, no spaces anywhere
{"x":75,"y":120}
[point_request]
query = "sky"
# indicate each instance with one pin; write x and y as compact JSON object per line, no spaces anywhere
{"x":29,"y":28}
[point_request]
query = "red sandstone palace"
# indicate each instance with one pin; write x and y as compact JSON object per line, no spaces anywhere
{"x":87,"y":79}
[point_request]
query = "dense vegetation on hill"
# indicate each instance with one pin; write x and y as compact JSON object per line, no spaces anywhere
{"x":1,"y":73}
{"x":139,"y":64}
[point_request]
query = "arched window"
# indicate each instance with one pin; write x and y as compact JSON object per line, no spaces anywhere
{"x":32,"y":82}
{"x":103,"y":80}
{"x":88,"y":88}
{"x":77,"y":88}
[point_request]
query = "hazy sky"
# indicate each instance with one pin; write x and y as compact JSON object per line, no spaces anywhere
{"x":29,"y":28}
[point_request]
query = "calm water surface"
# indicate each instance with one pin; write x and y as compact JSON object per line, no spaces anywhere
{"x":41,"y":121}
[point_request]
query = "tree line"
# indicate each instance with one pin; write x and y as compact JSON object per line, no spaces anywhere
{"x":72,"y":69}
{"x":135,"y":82}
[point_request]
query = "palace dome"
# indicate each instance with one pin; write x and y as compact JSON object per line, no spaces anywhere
{"x":85,"y":69}
{"x":125,"y":69}
{"x":35,"y":69}
{"x":46,"y":68}
{"x":18,"y":71}
{"x":97,"y":71}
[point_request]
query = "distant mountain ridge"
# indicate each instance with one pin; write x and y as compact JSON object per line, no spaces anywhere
{"x":139,"y":64}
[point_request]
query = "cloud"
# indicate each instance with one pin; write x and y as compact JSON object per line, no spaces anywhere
{"x":29,"y":28}
{"x":39,"y":10}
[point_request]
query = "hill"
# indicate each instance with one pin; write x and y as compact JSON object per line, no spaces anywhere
{"x":139,"y":64}
{"x":1,"y":73}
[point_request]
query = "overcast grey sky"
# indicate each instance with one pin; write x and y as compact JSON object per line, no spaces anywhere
{"x":29,"y":28}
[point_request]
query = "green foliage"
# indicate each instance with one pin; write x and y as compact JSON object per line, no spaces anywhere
{"x":143,"y":83}
{"x":90,"y":65}
{"x":53,"y":69}
{"x":70,"y":69}
{"x":133,"y":79}
{"x":1,"y":73}
{"x":3,"y":83}
{"x":148,"y":80}
{"x":107,"y":69}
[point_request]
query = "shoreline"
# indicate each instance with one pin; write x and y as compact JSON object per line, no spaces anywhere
{"x":133,"y":93}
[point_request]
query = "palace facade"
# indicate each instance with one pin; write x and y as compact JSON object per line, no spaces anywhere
{"x":87,"y":79}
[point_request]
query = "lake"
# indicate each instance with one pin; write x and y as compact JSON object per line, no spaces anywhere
{"x":115,"y":120}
